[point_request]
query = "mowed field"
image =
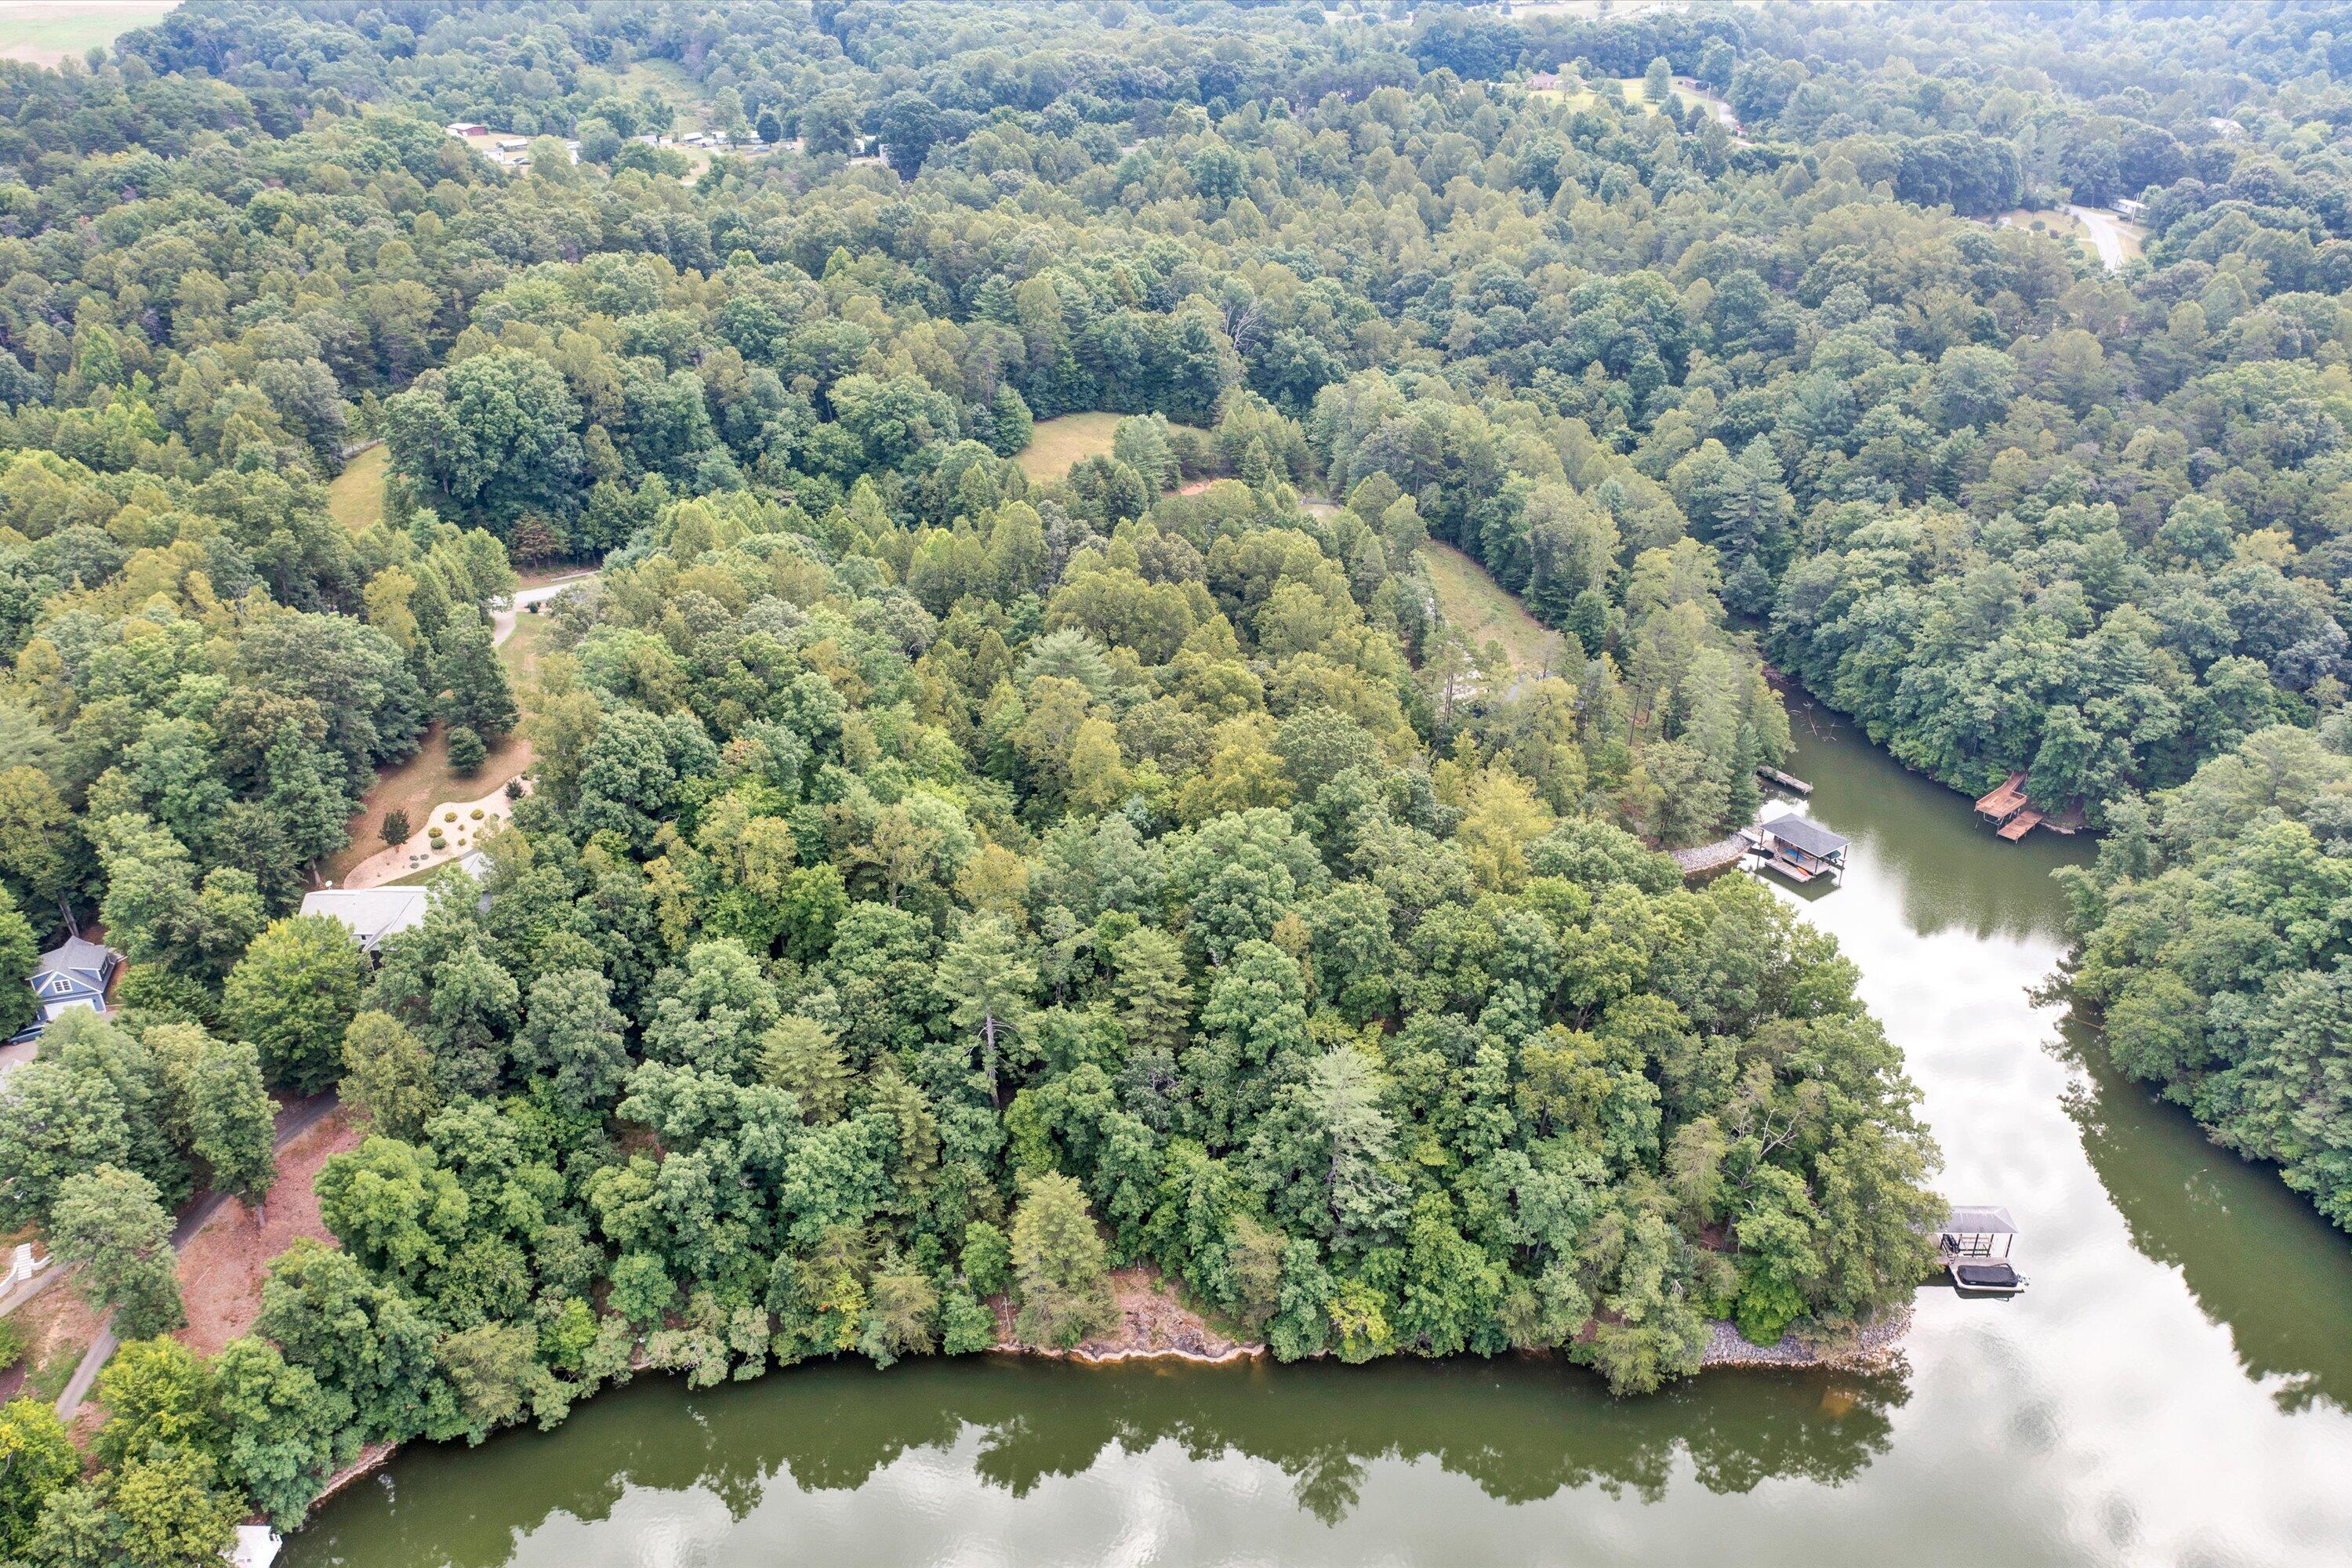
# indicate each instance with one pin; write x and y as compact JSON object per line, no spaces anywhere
{"x":45,"y":32}
{"x":355,"y":496}
{"x":1058,"y":446}
{"x":2060,"y":224}
{"x":1473,"y":601}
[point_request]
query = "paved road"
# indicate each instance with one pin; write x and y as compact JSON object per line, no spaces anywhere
{"x":502,"y":621}
{"x":295,"y":1117}
{"x":2106,"y":234}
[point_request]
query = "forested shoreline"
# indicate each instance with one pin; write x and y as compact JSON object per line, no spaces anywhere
{"x":942,"y":882}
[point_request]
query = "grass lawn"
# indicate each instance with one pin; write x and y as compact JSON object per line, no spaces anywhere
{"x":355,"y":499}
{"x":1058,"y":446}
{"x":1474,"y":601}
{"x":44,"y":32}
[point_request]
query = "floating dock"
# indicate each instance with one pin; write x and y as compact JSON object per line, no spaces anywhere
{"x":1788,"y":782}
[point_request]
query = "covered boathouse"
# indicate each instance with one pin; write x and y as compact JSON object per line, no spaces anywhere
{"x":1800,"y":849}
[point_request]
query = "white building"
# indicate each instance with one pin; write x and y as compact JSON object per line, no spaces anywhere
{"x":372,"y":913}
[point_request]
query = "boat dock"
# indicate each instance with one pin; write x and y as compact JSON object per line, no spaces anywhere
{"x":1964,"y":1246}
{"x":1800,"y":849}
{"x":1788,"y":782}
{"x":2013,"y":815}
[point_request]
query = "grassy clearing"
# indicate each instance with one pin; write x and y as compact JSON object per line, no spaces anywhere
{"x":355,"y":499}
{"x":1637,"y":96}
{"x":1479,"y":605}
{"x":1058,"y":446}
{"x":46,"y":32}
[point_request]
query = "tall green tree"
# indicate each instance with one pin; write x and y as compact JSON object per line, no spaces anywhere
{"x":1059,"y":1274}
{"x":233,"y":1121}
{"x":293,"y":995}
{"x":107,"y":1224}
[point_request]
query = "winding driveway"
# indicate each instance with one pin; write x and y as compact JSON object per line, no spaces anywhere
{"x":2106,"y":234}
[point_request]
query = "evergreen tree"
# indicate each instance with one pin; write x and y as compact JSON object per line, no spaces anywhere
{"x":1059,"y":1275}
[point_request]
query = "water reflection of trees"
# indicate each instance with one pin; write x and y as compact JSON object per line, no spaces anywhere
{"x":1522,"y":1432}
{"x":2259,"y":1260}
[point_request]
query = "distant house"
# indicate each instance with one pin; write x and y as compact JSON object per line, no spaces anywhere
{"x":372,"y":913}
{"x":1544,"y":81}
{"x":466,"y":128}
{"x":513,"y":143}
{"x":2130,"y":208}
{"x":74,"y":973}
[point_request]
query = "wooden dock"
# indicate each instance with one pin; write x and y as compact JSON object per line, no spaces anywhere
{"x":2007,"y":808}
{"x":1788,"y":782}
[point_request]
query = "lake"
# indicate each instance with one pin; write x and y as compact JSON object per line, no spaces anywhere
{"x":2172,"y":1389}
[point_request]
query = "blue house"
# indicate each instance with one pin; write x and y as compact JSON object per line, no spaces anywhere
{"x":74,"y":973}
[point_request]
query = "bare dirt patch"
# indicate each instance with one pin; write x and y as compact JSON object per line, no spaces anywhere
{"x":222,"y":1269}
{"x":59,"y":1326}
{"x":1152,"y":1323}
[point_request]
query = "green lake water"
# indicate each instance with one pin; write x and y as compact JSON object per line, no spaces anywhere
{"x":2175,"y":1388}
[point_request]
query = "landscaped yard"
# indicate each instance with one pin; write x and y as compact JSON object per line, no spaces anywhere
{"x":355,"y":496}
{"x":44,"y":32}
{"x":426,"y":780}
{"x":1058,"y":446}
{"x":1476,"y":602}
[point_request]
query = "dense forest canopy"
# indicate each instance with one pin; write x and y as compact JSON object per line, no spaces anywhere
{"x":945,"y":881}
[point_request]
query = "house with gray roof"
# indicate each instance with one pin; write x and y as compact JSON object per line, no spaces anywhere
{"x":372,"y":913}
{"x":77,"y":972}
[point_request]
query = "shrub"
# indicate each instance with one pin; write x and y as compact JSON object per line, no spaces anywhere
{"x":467,"y":752}
{"x":397,"y":831}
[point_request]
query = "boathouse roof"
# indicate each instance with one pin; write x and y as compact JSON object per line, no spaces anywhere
{"x":1980,"y":1222}
{"x":1802,"y":833}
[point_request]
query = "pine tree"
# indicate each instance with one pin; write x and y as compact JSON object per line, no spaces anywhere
{"x":990,"y":986}
{"x":803,"y":1058}
{"x":466,"y":668}
{"x":1059,"y":1272}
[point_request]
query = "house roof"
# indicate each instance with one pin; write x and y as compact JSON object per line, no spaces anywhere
{"x":1980,"y":1222}
{"x":1804,"y":834}
{"x":75,"y":967}
{"x":75,"y":954}
{"x":372,"y":913}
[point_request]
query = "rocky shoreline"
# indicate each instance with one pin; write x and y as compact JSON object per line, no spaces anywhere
{"x":1873,"y":1346}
